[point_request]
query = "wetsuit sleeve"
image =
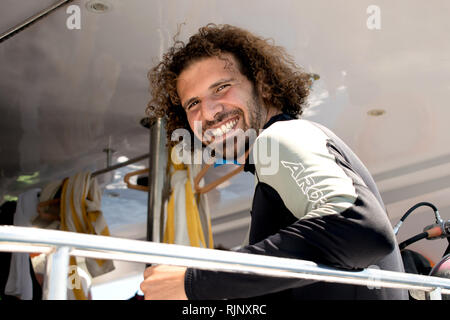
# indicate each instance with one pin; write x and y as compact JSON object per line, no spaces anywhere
{"x":339,"y":222}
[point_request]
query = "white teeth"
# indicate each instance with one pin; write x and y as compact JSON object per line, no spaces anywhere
{"x":226,"y":127}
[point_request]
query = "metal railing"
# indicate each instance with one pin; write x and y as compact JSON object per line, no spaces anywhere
{"x":60,"y":245}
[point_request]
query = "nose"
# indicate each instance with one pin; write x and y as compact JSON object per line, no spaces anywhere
{"x":210,"y":108}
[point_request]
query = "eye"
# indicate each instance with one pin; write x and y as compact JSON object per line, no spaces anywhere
{"x":192,"y":104}
{"x":223,"y":86}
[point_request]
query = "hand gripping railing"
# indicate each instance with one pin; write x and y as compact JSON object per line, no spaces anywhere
{"x":59,"y":245}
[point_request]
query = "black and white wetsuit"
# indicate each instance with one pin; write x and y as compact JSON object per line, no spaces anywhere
{"x":320,"y":204}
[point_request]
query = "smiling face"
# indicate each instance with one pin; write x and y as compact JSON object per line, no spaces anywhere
{"x":215,"y":94}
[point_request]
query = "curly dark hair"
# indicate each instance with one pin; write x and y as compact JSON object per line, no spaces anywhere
{"x":274,"y":74}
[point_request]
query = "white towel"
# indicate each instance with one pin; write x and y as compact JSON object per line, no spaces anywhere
{"x":80,"y":211}
{"x":19,"y":282}
{"x":178,"y":183}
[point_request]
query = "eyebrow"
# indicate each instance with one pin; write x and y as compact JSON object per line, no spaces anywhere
{"x":215,"y":84}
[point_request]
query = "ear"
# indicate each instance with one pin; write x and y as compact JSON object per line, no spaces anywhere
{"x":263,"y":90}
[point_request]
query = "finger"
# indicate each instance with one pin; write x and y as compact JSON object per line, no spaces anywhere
{"x":149,"y":290}
{"x":143,"y":287}
{"x":148,"y":272}
{"x":147,"y":297}
{"x":146,"y":286}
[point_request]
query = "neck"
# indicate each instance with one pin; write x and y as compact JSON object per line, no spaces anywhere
{"x":271,"y":111}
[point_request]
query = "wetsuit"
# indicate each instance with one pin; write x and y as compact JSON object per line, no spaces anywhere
{"x":319,"y":204}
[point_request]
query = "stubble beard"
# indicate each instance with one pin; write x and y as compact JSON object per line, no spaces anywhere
{"x":233,"y":148}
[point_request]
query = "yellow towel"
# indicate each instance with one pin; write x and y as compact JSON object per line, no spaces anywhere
{"x":183,"y":224}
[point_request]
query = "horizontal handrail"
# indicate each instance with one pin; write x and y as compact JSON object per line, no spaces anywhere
{"x":103,"y":247}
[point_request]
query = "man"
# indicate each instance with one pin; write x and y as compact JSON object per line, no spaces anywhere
{"x":320,"y":203}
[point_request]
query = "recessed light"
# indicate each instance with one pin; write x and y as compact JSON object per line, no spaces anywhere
{"x":122,"y":159}
{"x":98,"y":6}
{"x":376,"y":112}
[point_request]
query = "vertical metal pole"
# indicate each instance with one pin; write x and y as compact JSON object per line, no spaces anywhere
{"x":109,"y":152}
{"x":57,"y":269}
{"x":156,"y":177}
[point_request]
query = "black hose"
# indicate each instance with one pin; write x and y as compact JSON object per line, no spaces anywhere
{"x":411,"y":240}
{"x":447,"y":251}
{"x":414,"y":207}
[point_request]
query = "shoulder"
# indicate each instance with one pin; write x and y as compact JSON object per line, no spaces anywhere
{"x":297,"y":131}
{"x":293,"y":158}
{"x":291,"y":141}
